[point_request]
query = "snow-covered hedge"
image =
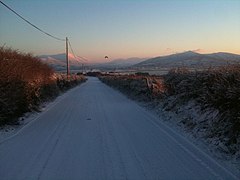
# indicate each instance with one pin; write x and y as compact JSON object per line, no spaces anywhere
{"x":25,"y":82}
{"x":144,"y":86}
{"x":214,"y":93}
{"x":217,"y":89}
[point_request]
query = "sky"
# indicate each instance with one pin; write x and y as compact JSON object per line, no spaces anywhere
{"x":122,"y":28}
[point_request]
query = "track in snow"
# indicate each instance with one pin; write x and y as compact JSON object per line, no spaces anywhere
{"x":95,"y":132}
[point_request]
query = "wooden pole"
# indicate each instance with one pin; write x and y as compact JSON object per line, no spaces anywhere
{"x":68,"y":69}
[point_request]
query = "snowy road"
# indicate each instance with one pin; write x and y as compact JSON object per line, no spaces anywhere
{"x":95,"y":132}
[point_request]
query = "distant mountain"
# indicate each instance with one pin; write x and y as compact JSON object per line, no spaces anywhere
{"x":121,"y":63}
{"x":225,"y":56}
{"x":190,"y":59}
{"x":126,"y":62}
{"x":58,"y":61}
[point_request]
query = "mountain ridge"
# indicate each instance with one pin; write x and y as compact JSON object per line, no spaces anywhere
{"x":190,"y":59}
{"x":58,"y":61}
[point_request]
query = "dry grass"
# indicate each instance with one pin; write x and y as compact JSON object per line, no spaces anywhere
{"x":215,"y":88}
{"x":148,"y":87}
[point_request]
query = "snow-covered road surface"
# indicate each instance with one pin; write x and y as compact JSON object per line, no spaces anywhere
{"x":95,"y":132}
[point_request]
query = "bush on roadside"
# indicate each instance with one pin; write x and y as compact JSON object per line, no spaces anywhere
{"x":213,"y":89}
{"x":217,"y":88}
{"x":130,"y":84}
{"x":25,"y":82}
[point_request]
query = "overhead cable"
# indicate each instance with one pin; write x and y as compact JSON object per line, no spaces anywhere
{"x":71,"y":48}
{"x":60,"y":39}
{"x":76,"y":57}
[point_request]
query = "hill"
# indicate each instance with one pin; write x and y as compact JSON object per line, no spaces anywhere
{"x":190,"y":59}
{"x":120,"y":63}
{"x":58,"y":61}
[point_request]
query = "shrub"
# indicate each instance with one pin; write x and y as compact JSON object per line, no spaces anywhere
{"x":144,"y":86}
{"x":25,"y":82}
{"x":217,"y":88}
{"x":213,"y":89}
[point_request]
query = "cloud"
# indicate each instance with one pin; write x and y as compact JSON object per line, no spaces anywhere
{"x":168,"y":50}
{"x":198,"y":50}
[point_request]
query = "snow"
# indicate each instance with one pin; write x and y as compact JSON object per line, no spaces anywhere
{"x":8,"y":131}
{"x":95,"y":132}
{"x":191,"y":122}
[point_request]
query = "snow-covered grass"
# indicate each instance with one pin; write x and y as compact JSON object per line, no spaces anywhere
{"x":216,"y":92}
{"x":8,"y":130}
{"x":204,"y":104}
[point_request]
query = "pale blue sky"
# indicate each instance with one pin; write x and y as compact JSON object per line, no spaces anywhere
{"x":121,"y":29}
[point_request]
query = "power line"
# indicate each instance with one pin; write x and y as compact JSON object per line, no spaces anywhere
{"x":77,"y":57}
{"x":31,"y":23}
{"x":83,"y":58}
{"x":71,"y":49}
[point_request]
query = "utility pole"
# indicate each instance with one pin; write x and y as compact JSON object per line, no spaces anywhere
{"x":68,"y":70}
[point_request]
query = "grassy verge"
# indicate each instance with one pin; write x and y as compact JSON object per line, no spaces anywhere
{"x":217,"y":89}
{"x":212,"y":95}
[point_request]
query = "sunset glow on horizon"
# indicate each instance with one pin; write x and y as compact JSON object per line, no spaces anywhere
{"x":123,"y":29}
